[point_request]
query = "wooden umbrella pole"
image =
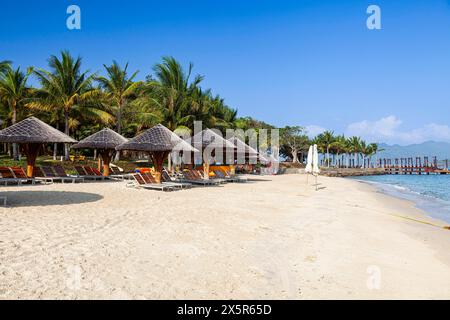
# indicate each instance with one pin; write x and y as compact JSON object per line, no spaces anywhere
{"x":99,"y":162}
{"x":158,"y":160}
{"x":31,"y":151}
{"x":206,"y":160}
{"x":106,"y":156}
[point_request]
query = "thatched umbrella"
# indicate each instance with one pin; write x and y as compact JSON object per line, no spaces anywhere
{"x":243,"y":148}
{"x":30,"y":134}
{"x":158,"y":142}
{"x":208,"y":139}
{"x":105,"y":141}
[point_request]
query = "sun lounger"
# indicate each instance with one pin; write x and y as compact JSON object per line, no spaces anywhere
{"x":40,"y":176}
{"x":8,"y":176}
{"x":95,"y":172}
{"x":165,"y":177}
{"x":200,"y":176}
{"x":61,"y":173}
{"x":115,"y":170}
{"x":191,"y":177}
{"x":50,"y":173}
{"x":19,"y":173}
{"x":87,"y":175}
{"x":237,"y":177}
{"x":221,"y":175}
{"x":119,"y":175}
{"x":149,"y":179}
{"x":140,"y":182}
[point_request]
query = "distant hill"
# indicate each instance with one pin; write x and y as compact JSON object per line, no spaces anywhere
{"x":430,"y":148}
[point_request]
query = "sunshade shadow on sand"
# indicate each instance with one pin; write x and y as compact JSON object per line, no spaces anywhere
{"x":48,"y":198}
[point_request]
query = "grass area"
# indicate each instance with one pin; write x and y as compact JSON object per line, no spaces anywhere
{"x":7,"y":161}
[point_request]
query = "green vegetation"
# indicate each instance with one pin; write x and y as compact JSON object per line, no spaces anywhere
{"x":80,"y":103}
{"x":350,"y":152}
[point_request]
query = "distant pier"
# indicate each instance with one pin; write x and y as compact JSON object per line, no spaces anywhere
{"x":414,"y":165}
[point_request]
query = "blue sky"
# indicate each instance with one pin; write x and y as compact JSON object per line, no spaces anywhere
{"x":309,"y":63}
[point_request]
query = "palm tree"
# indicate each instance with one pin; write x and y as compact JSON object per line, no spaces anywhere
{"x":339,"y":146}
{"x":118,"y":87}
{"x":14,"y":92}
{"x":354,"y":146}
{"x":172,"y":90}
{"x":4,"y":65}
{"x":372,"y":149}
{"x":325,"y":140}
{"x":364,"y":150}
{"x":65,"y":86}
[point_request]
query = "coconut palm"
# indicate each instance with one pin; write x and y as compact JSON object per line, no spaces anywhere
{"x":4,"y":65}
{"x":372,"y":149}
{"x":65,"y":86}
{"x":324,"y":141}
{"x":14,"y":93}
{"x":339,"y":146}
{"x":172,"y":90}
{"x":364,"y":150}
{"x":118,"y":87}
{"x":354,"y":147}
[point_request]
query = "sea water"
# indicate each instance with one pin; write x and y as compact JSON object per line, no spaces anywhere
{"x":430,"y":193}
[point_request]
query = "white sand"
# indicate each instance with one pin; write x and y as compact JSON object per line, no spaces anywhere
{"x":276,"y":238}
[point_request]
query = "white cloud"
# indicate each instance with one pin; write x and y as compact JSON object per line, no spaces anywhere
{"x":389,"y":130}
{"x":313,"y":130}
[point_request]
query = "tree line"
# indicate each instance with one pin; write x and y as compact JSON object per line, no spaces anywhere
{"x":337,"y":150}
{"x":80,"y":103}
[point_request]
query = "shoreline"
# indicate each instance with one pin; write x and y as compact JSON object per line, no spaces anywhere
{"x":429,"y":205}
{"x":272,"y":238}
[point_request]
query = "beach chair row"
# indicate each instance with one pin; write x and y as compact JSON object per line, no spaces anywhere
{"x":58,"y":174}
{"x":188,"y":179}
{"x":48,"y":174}
{"x":52,"y":174}
{"x":14,"y":175}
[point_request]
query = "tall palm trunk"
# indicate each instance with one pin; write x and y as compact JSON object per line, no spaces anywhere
{"x":55,"y":150}
{"x":66,"y":131}
{"x":119,"y":126}
{"x":55,"y":145}
{"x":119,"y":117}
{"x":14,"y":119}
{"x":328,"y":157}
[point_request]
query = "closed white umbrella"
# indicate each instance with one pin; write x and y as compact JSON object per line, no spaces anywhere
{"x":316,"y":169}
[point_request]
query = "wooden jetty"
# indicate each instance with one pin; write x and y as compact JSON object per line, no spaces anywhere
{"x":413,"y":165}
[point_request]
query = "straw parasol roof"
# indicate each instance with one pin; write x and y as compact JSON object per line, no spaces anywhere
{"x":103,"y":139}
{"x":242,"y":146}
{"x":158,"y":142}
{"x":106,"y":140}
{"x":156,"y":139}
{"x":209,"y":138}
{"x":31,"y":133}
{"x":33,"y":130}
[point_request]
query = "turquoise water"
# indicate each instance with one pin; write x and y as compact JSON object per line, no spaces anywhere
{"x":430,"y":193}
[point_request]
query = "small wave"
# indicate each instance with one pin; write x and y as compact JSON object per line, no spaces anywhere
{"x":423,"y":196}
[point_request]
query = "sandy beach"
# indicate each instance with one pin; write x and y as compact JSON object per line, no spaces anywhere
{"x":272,"y":238}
